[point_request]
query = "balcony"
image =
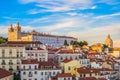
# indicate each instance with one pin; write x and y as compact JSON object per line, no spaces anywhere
{"x":10,"y":69}
{"x":3,"y":63}
{"x":30,"y":75}
{"x":10,"y":63}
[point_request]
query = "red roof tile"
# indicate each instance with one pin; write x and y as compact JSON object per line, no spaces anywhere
{"x":87,"y":70}
{"x":102,"y":79}
{"x":31,"y":61}
{"x":88,"y":78}
{"x":65,"y":75}
{"x":67,"y":51}
{"x":47,"y":64}
{"x":4,"y":73}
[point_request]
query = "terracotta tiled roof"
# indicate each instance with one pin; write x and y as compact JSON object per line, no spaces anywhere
{"x":102,"y":79}
{"x":4,"y":73}
{"x":49,"y":35}
{"x":66,"y":60}
{"x":88,"y":78}
{"x":47,"y":64}
{"x":87,"y":70}
{"x":106,"y":69}
{"x":31,"y":61}
{"x":67,"y":51}
{"x":65,"y":75}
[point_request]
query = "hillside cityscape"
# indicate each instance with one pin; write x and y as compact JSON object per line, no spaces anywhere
{"x":60,"y":40}
{"x":40,"y":56}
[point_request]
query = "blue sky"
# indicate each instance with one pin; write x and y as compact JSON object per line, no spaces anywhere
{"x":90,"y":20}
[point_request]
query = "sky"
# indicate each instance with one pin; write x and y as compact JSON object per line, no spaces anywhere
{"x":90,"y":20}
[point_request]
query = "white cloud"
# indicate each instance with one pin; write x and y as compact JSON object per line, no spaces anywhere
{"x":3,"y":30}
{"x":62,"y":25}
{"x":98,"y":35}
{"x":59,"y":6}
{"x":107,"y":16}
{"x":93,"y":7}
{"x":64,"y":5}
{"x":72,"y":13}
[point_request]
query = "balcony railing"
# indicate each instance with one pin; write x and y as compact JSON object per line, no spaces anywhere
{"x":3,"y":63}
{"x":10,"y":63}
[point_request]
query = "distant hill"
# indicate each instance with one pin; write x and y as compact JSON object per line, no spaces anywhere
{"x":3,"y":40}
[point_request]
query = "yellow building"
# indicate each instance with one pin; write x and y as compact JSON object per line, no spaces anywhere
{"x":108,"y":42}
{"x":68,"y":65}
{"x":5,"y":75}
{"x":11,"y":56}
{"x":15,"y":34}
{"x":97,"y":47}
{"x":115,"y":52}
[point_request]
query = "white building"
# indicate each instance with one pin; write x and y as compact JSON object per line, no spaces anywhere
{"x":34,"y":70}
{"x":108,"y":74}
{"x":37,"y":53}
{"x":16,"y":34}
{"x":64,"y":76}
{"x":68,"y":54}
{"x":85,"y":62}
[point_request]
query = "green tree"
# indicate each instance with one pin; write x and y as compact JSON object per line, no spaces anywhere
{"x":85,"y":43}
{"x":80,"y":43}
{"x":2,"y":40}
{"x":72,"y":42}
{"x":65,"y":43}
{"x":75,"y":43}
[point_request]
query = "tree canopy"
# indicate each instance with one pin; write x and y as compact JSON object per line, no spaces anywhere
{"x":2,"y":40}
{"x":65,"y":43}
{"x":79,"y":43}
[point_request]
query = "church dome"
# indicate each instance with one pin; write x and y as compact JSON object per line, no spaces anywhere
{"x":108,"y":41}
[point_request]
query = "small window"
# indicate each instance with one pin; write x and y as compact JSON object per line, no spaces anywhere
{"x":84,"y":75}
{"x":35,"y":67}
{"x":23,"y":67}
{"x":41,"y":73}
{"x":29,"y":67}
{"x":24,"y":73}
{"x":80,"y":75}
{"x":61,"y":58}
{"x":64,"y":78}
{"x":90,"y":74}
{"x":53,"y":73}
{"x":68,"y":78}
{"x":45,"y":73}
{"x":35,"y":72}
{"x":68,"y":67}
{"x":36,"y":54}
